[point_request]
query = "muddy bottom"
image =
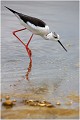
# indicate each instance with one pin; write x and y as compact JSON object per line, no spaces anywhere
{"x":25,"y":112}
{"x":23,"y":109}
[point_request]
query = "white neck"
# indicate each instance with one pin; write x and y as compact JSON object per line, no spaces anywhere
{"x":49,"y":36}
{"x":52,"y":36}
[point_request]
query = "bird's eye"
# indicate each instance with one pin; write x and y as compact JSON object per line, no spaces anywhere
{"x":55,"y":36}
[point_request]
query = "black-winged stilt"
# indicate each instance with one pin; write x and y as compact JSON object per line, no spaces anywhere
{"x":36,"y":26}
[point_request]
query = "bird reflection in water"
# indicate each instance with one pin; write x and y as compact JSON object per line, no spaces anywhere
{"x":28,"y":70}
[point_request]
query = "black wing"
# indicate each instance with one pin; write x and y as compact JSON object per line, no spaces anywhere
{"x":26,"y":18}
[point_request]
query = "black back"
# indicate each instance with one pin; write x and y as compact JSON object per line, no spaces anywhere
{"x":33,"y":20}
{"x":26,"y":18}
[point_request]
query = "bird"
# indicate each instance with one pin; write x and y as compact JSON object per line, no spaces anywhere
{"x":37,"y":27}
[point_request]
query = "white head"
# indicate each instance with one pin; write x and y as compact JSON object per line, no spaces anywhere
{"x":54,"y":36}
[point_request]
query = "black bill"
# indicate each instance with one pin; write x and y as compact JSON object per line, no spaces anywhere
{"x":62,"y":45}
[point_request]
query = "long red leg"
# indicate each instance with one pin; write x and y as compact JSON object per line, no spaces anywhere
{"x":26,"y":45}
{"x":28,"y":70}
{"x":29,"y":40}
{"x":27,"y":48}
{"x":17,"y":36}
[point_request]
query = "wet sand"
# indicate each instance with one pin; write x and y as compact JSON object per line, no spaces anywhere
{"x":37,"y":113}
{"x":20,"y":110}
{"x":53,"y":75}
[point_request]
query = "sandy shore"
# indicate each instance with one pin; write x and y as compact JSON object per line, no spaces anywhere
{"x":25,"y":112}
{"x":20,"y":110}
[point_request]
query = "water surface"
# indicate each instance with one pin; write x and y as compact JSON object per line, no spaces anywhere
{"x":54,"y":72}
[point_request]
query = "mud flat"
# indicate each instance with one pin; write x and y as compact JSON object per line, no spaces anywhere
{"x":24,"y":107}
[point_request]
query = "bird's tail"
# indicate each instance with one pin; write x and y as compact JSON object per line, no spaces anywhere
{"x":11,"y":10}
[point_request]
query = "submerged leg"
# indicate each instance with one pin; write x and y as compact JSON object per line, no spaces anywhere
{"x":28,"y":70}
{"x":27,"y":48}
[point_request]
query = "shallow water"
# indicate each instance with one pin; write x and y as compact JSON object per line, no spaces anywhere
{"x":54,"y":73}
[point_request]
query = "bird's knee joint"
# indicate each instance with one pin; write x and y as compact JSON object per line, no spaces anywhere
{"x":13,"y":32}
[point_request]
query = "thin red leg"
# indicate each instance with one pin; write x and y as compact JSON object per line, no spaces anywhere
{"x":26,"y":45}
{"x":27,"y":48}
{"x":28,"y":70}
{"x":29,"y":40}
{"x":17,"y":36}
